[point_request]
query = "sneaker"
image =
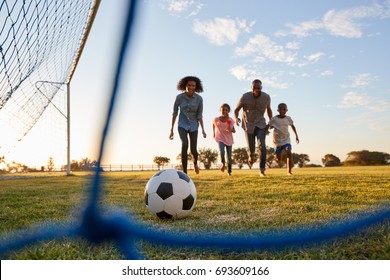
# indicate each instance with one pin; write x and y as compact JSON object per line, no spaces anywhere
{"x":196,"y":167}
{"x":262,"y":174}
{"x":229,"y":174}
{"x":223,"y":168}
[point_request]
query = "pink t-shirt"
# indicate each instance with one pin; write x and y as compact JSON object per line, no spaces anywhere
{"x":222,"y":134}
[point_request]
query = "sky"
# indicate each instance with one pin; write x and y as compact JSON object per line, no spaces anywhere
{"x":327,"y":60}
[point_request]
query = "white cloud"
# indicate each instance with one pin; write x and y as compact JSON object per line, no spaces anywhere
{"x":197,"y":8}
{"x":304,"y":28}
{"x":362,"y":80}
{"x":310,"y":59}
{"x":314,"y":57}
{"x":293,"y":45}
{"x":380,"y":106}
{"x":222,"y":31}
{"x":341,"y":23}
{"x":374,"y":34}
{"x":240,"y":72}
{"x":327,"y":73}
{"x":249,"y":73}
{"x":281,"y":33}
{"x":263,"y":46}
{"x":176,"y":7}
{"x":371,"y":120}
{"x":379,"y":124}
{"x":354,"y":99}
{"x":271,"y":81}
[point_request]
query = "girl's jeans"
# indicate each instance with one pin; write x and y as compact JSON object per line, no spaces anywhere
{"x":222,"y":147}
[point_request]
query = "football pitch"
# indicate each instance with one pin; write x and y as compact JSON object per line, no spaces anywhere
{"x":243,"y":204}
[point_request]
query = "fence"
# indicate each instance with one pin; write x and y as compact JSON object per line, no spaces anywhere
{"x":116,"y":167}
{"x":136,"y":167}
{"x":152,"y":167}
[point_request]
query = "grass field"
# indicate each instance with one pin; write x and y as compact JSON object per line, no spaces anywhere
{"x":238,"y":204}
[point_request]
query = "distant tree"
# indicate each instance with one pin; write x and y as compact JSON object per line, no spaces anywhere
{"x":312,"y":165}
{"x":300,"y":159}
{"x":207,"y":157}
{"x":270,"y":159}
{"x":16,"y":167}
{"x":240,"y":157}
{"x":365,"y":157}
{"x":189,"y":157}
{"x":74,"y":165}
{"x":160,"y":161}
{"x":255,"y":158}
{"x":331,"y":160}
{"x":94,"y":165}
{"x":50,"y":164}
{"x":2,"y":166}
{"x":281,"y":163}
{"x":87,"y":164}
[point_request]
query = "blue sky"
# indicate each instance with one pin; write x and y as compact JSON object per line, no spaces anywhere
{"x":326,"y":59}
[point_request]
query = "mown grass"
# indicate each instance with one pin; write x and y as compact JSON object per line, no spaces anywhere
{"x":239,"y":204}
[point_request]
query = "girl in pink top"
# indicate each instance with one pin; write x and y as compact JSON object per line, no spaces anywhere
{"x":223,"y":129}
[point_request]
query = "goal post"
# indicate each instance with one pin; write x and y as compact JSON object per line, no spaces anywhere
{"x":91,"y":19}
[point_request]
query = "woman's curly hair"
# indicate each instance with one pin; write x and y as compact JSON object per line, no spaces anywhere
{"x":182,"y":84}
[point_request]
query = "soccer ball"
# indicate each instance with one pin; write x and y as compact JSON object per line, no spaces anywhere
{"x":170,"y":194}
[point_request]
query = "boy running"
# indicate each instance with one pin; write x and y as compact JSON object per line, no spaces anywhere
{"x":281,"y":136}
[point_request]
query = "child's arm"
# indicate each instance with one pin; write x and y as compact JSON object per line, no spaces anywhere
{"x":231,"y":129}
{"x":213,"y":130}
{"x":296,"y":134}
{"x":269,"y":126}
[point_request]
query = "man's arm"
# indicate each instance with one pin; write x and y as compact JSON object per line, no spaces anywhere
{"x":237,"y":111}
{"x":269,"y":112}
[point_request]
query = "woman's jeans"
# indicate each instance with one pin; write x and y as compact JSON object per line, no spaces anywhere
{"x":184,"y":146}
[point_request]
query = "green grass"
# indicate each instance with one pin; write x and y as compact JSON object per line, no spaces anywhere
{"x":238,"y":204}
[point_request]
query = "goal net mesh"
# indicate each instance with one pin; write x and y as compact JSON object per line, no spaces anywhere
{"x":39,"y":42}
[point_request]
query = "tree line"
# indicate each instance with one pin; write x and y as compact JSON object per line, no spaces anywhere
{"x":209,"y":156}
{"x":358,"y":158}
{"x":85,"y":164}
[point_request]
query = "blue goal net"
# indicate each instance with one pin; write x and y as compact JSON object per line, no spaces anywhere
{"x":95,"y":224}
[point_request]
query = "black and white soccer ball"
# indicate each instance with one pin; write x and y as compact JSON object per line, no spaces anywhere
{"x":170,"y":194}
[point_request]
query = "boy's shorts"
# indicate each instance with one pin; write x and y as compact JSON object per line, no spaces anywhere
{"x":279,"y":149}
